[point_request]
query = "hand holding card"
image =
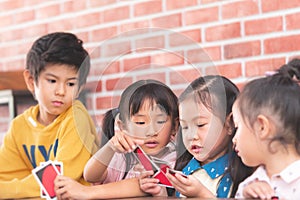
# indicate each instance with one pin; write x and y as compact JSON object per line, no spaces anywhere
{"x":45,"y":175}
{"x":158,"y":166}
{"x":173,"y":172}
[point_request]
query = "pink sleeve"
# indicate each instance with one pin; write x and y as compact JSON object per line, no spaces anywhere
{"x":115,"y":169}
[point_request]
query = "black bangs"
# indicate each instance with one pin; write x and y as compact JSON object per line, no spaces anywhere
{"x":156,"y":94}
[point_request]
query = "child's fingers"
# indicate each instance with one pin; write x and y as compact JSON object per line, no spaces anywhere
{"x":173,"y":180}
{"x":139,"y":142}
{"x":259,"y":189}
{"x":123,"y":142}
{"x":139,"y":168}
{"x":177,"y":178}
{"x":146,"y":174}
{"x":129,"y":142}
{"x":146,"y":183}
{"x":263,"y":193}
{"x":181,"y":178}
{"x":59,"y":186}
{"x":119,"y":144}
{"x":58,"y":181}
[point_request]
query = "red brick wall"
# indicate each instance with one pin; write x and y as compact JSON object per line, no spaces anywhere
{"x":170,"y":40}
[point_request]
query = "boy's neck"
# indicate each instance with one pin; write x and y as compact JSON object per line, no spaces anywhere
{"x":46,"y":120}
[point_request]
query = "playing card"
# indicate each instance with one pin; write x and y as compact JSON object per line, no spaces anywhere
{"x":158,"y":166}
{"x":59,"y":166}
{"x":145,"y":160}
{"x":45,"y":175}
{"x":173,"y":172}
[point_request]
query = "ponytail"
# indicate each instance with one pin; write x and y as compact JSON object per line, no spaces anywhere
{"x":108,"y":125}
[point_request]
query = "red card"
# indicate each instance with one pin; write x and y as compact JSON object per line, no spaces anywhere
{"x":45,"y":176}
{"x":158,"y":166}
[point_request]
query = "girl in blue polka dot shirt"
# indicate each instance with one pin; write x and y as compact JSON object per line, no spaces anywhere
{"x":204,"y":145}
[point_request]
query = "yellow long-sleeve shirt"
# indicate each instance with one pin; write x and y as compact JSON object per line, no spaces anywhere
{"x":71,"y":139}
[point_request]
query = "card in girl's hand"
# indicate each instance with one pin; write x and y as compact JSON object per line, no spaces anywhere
{"x":173,"y":172}
{"x":145,"y":160}
{"x":158,"y":166}
{"x":45,"y":175}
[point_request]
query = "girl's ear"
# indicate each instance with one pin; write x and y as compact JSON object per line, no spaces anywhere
{"x":176,"y":127}
{"x":29,"y":80}
{"x":119,"y":125}
{"x":229,"y":125}
{"x":262,"y":127}
{"x":175,"y":130}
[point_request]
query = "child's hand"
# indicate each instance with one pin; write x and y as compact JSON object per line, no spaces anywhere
{"x":67,"y":188}
{"x":121,"y":142}
{"x":258,"y":189}
{"x":190,"y":186}
{"x":149,"y":185}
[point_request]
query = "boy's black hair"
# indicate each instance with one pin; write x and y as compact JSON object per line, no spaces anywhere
{"x":218,"y":94}
{"x":58,"y":48}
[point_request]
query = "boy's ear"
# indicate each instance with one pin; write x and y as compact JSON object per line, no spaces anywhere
{"x":262,"y":127}
{"x":29,"y":80}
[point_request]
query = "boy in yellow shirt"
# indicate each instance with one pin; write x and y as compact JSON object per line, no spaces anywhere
{"x":59,"y":126}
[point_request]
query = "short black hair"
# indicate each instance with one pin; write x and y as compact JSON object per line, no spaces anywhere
{"x":58,"y":48}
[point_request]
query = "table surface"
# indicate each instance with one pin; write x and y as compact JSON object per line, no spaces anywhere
{"x":145,"y":198}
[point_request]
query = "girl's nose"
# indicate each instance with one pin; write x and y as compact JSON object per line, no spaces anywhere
{"x":234,"y":140}
{"x":151,"y":131}
{"x":192,"y":134}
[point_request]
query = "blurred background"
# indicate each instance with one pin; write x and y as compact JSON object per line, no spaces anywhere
{"x":173,"y":41}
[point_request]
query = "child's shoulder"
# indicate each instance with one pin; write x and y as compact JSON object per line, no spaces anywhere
{"x":77,"y":107}
{"x":77,"y":111}
{"x":30,"y":112}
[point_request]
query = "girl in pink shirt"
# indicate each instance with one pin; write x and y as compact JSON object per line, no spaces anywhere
{"x":266,"y":115}
{"x":147,"y":115}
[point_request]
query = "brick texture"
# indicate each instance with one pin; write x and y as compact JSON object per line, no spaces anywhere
{"x":173,"y":41}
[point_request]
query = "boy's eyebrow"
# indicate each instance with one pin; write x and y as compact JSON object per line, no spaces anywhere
{"x":49,"y":74}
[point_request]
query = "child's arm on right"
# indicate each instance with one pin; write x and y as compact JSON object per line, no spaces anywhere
{"x":258,"y":189}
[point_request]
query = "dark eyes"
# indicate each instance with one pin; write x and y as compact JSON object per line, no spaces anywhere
{"x":68,"y":84}
{"x":198,"y":125}
{"x":159,"y":122}
{"x":71,"y":84}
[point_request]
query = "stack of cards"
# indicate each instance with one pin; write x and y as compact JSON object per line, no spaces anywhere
{"x":45,"y":175}
{"x":158,"y":166}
